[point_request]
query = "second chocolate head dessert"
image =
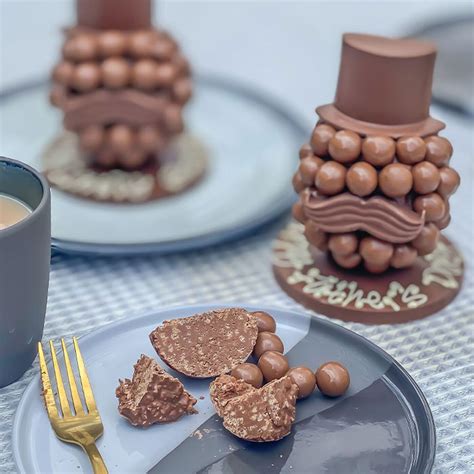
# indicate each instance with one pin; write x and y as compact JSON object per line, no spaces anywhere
{"x":121,"y":84}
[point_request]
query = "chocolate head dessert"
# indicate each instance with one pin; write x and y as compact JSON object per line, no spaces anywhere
{"x":153,"y":396}
{"x":375,"y":180}
{"x":121,"y":85}
{"x":264,"y":414}
{"x":208,"y":344}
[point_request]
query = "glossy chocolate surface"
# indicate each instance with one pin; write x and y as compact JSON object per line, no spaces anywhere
{"x":333,"y":379}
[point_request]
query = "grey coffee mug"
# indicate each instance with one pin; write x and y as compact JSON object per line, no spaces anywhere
{"x":25,"y":252}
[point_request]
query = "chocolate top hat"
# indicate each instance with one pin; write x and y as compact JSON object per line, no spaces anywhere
{"x":114,"y":14}
{"x":384,"y":87}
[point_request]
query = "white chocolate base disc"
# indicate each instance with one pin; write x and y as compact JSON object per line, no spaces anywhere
{"x":184,"y":163}
{"x":396,"y":296}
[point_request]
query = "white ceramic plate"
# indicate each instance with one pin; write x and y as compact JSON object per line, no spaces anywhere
{"x":253,"y":145}
{"x":381,"y":424}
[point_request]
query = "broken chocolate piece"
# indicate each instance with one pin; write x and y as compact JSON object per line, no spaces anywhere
{"x":208,"y":344}
{"x":153,"y":395}
{"x":264,"y":414}
{"x":224,"y":388}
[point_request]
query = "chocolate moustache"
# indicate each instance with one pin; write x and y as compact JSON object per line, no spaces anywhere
{"x":377,"y":216}
{"x":102,"y":107}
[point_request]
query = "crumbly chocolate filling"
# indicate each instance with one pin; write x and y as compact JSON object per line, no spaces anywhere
{"x":264,"y":414}
{"x":152,"y":396}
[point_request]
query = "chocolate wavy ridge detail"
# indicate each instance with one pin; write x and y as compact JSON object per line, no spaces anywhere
{"x":102,"y":107}
{"x":378,"y":216}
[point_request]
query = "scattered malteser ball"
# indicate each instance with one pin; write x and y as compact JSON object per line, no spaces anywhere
{"x":132,"y":159}
{"x":403,"y":256}
{"x":141,"y":43}
{"x":372,"y":267}
{"x":375,"y":251}
{"x":332,"y":379}
{"x":115,"y":73}
{"x":182,"y":90}
{"x":86,"y":77}
{"x":343,"y":244}
{"x":426,"y":240}
{"x":265,"y":322}
{"x":163,"y":49}
{"x":62,"y":73}
{"x":273,"y":365}
{"x":297,"y":212}
{"x":316,"y":236}
{"x":165,"y":75}
{"x":347,"y":261}
{"x":426,"y":177}
{"x":331,"y":178}
{"x":143,"y":74}
{"x":449,"y":181}
{"x":249,"y":373}
{"x":438,"y":150}
{"x":297,"y":182}
{"x":267,"y":341}
{"x":361,"y":179}
{"x":91,"y":138}
{"x":112,"y":43}
{"x":306,"y":151}
{"x":149,"y":138}
{"x":395,"y":180}
{"x":432,"y":204}
{"x":120,"y":138}
{"x":411,"y":150}
{"x":378,"y":151}
{"x":174,"y":118}
{"x":320,"y":138}
{"x":308,"y":169}
{"x":82,"y":47}
{"x":345,"y":146}
{"x":304,"y":378}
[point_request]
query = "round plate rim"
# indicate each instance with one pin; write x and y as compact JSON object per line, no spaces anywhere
{"x":282,"y":205}
{"x":198,"y":308}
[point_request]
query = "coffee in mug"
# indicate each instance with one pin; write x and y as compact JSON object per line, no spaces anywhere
{"x":12,"y":211}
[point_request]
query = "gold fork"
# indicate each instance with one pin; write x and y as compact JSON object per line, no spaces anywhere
{"x":80,"y":427}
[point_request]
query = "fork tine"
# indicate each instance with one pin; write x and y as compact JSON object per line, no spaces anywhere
{"x":63,"y":401}
{"x":76,"y":399}
{"x":51,"y":407}
{"x":86,"y":386}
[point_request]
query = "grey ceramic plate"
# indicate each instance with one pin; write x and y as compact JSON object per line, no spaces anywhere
{"x":381,"y":425}
{"x":248,"y":136}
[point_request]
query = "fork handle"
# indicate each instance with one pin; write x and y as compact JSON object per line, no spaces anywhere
{"x":96,"y":459}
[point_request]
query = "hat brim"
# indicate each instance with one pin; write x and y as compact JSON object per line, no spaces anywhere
{"x":330,"y":114}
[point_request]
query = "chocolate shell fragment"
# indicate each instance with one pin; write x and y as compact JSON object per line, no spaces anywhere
{"x":208,"y":344}
{"x":153,"y":395}
{"x":264,"y":414}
